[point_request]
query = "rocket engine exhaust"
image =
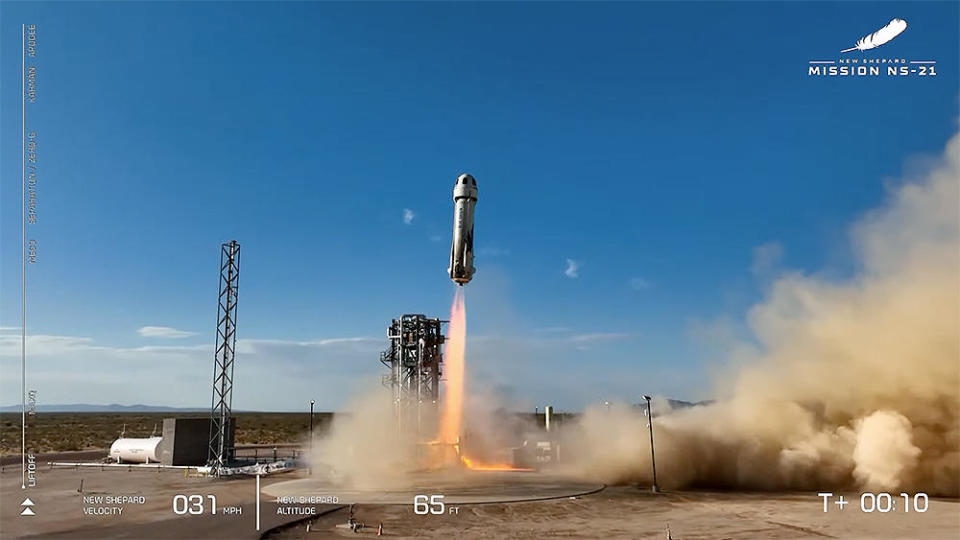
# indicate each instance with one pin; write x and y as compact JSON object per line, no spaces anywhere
{"x":452,"y":413}
{"x":461,"y":250}
{"x":451,"y":418}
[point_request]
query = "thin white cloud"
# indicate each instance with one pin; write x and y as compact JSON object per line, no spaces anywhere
{"x":523,"y":358}
{"x":317,"y":342}
{"x":50,"y":345}
{"x":560,"y":337}
{"x":164,"y":332}
{"x":164,"y":349}
{"x":270,"y":364}
{"x":573,"y":269}
{"x":639,"y":284}
{"x":436,"y":238}
{"x":251,"y":346}
{"x":493,"y":251}
{"x":597,"y":336}
{"x":43,"y":344}
{"x":338,"y":341}
{"x":766,"y":259}
{"x":271,"y":374}
{"x":553,"y":329}
{"x":408,"y":216}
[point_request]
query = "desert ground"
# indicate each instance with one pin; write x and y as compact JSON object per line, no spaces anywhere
{"x":64,"y":432}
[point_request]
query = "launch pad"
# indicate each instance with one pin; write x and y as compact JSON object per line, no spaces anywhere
{"x":457,"y":486}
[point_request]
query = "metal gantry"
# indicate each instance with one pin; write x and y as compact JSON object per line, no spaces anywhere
{"x":220,"y":450}
{"x":415,"y":360}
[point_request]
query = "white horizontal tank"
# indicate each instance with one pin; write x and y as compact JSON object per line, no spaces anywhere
{"x":129,"y":450}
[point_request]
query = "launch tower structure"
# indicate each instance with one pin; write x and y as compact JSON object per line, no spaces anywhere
{"x":415,"y":361}
{"x":220,"y":450}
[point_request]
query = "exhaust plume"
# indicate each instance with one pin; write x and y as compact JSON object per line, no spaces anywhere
{"x":852,"y":384}
{"x":453,"y":367}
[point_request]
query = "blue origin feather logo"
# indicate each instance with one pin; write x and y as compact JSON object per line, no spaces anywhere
{"x":871,"y":41}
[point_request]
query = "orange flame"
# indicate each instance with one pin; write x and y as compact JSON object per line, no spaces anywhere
{"x":470,"y":464}
{"x":453,"y":367}
{"x":453,"y":361}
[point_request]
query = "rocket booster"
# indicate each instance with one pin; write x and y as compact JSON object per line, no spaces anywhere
{"x":461,"y":251}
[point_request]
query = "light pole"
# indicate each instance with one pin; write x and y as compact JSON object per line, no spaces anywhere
{"x":653,"y":459}
{"x":310,"y":457}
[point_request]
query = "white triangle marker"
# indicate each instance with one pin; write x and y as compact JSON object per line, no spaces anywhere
{"x":27,"y":512}
{"x":27,"y":502}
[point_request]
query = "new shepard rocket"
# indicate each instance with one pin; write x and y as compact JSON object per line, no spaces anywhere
{"x":461,"y":251}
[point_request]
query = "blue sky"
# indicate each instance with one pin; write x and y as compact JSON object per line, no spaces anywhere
{"x":678,"y":153}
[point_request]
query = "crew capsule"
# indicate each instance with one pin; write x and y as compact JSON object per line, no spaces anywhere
{"x":461,"y":250}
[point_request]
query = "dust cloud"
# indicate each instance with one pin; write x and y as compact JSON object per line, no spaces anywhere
{"x":853,"y":383}
{"x":364,"y":449}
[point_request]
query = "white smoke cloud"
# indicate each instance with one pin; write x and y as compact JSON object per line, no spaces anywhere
{"x":408,"y":216}
{"x":573,"y":269}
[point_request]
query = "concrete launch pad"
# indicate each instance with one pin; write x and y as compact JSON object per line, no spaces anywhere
{"x":459,"y":487}
{"x":632,"y":512}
